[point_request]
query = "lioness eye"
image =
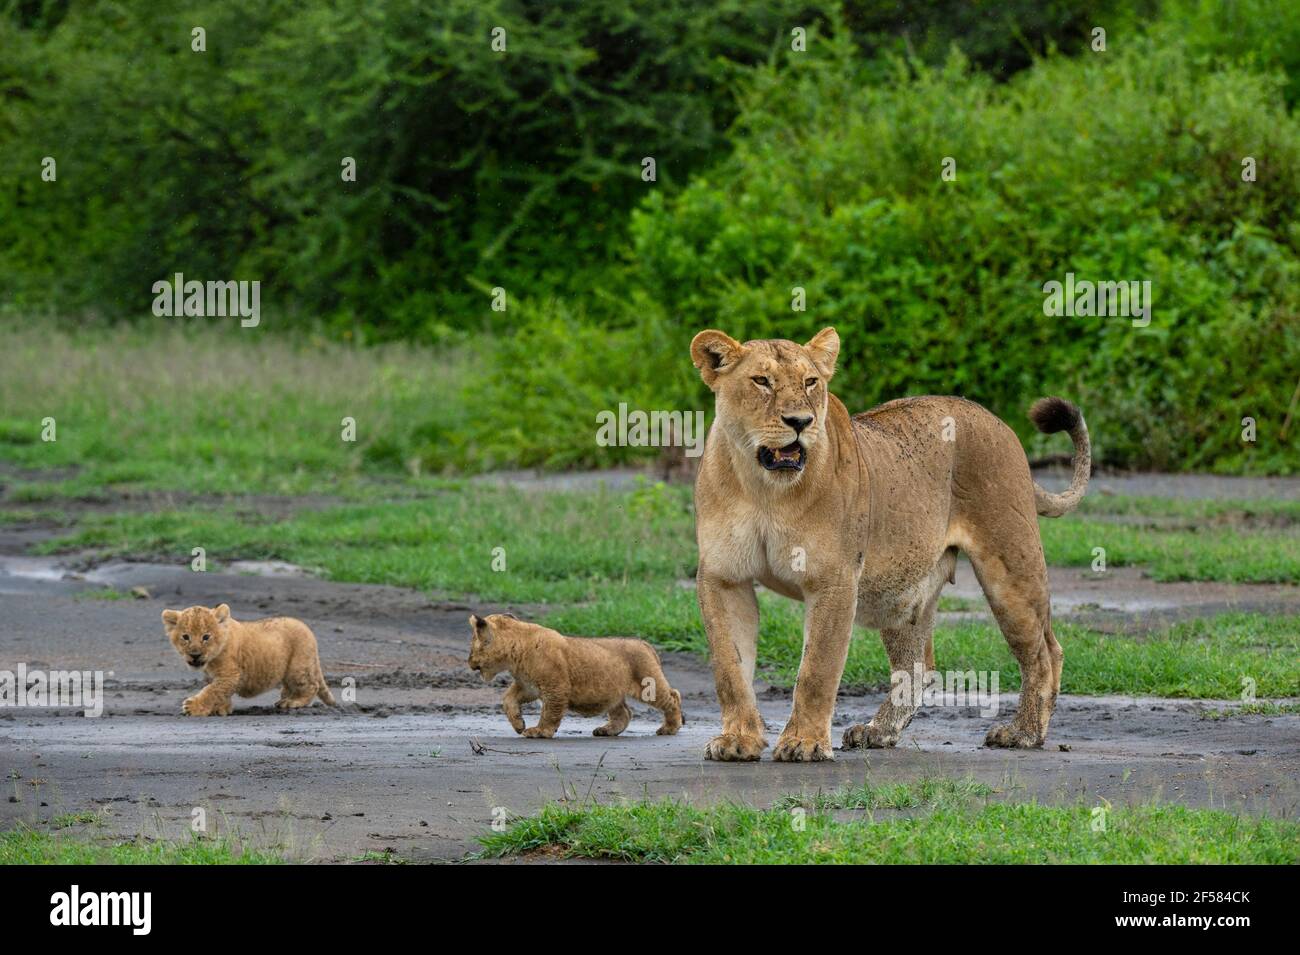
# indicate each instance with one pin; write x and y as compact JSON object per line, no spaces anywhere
{"x":760,"y":381}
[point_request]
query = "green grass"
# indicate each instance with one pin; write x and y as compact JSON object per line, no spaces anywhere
{"x":995,"y":833}
{"x":926,"y":793}
{"x":1204,"y":658}
{"x":104,"y":593}
{"x":29,"y":847}
{"x":1192,"y":509}
{"x":1263,"y":708}
{"x":69,"y":819}
{"x":556,"y":546}
{"x":1211,"y":553}
{"x":208,"y":410}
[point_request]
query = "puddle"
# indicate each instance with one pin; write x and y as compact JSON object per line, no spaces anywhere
{"x":23,"y":575}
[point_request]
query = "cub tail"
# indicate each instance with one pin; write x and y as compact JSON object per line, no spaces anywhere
{"x":323,"y":693}
{"x":1049,"y":416}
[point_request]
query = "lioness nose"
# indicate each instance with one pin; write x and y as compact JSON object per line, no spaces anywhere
{"x":798,"y":422}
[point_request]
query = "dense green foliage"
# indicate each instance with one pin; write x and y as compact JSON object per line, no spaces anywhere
{"x":1125,"y":166}
{"x":820,"y":169}
{"x":471,"y":161}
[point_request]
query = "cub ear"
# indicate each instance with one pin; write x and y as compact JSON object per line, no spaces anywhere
{"x":222,"y":613}
{"x":507,"y":613}
{"x":714,"y":353}
{"x":480,"y":626}
{"x":824,"y":348}
{"x":171,"y":617}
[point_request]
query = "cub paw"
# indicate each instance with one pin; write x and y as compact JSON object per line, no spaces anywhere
{"x":801,"y":749}
{"x":536,"y":732}
{"x":667,"y":730}
{"x":191,"y":707}
{"x":1011,"y":736}
{"x":868,"y":736}
{"x":735,"y":747}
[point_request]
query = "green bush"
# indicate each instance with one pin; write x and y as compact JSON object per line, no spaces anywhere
{"x":475,"y":168}
{"x":1124,"y":165}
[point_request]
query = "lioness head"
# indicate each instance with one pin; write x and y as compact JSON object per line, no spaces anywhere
{"x":770,"y":395}
{"x":487,"y":648}
{"x":199,"y":634}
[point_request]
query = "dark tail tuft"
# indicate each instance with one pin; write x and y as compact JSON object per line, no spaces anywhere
{"x":1051,"y":415}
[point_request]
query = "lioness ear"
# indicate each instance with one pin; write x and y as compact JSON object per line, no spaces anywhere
{"x":171,"y":617}
{"x":222,"y":613}
{"x":824,"y":348}
{"x":714,"y":353}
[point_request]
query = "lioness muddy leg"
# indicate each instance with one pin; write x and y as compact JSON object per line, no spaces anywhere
{"x":554,"y":705}
{"x":906,"y":645}
{"x":730,"y":613}
{"x":1014,"y":580}
{"x":828,"y":627}
{"x":511,"y":702}
{"x":619,"y":717}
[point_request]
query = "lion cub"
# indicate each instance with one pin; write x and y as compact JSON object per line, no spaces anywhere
{"x":246,"y":658}
{"x":588,"y":676}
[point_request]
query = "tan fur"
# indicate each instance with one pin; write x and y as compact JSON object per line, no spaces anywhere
{"x":868,"y":531}
{"x":588,"y":676}
{"x":246,"y":658}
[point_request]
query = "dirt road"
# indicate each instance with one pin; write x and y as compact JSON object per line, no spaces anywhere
{"x":395,"y":770}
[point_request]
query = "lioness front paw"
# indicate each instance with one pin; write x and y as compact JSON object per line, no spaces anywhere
{"x":536,"y":732}
{"x":1012,"y":736}
{"x":868,"y":736}
{"x":735,"y":747}
{"x":802,"y":749}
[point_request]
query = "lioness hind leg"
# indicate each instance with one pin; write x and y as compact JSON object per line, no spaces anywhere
{"x":619,"y":716}
{"x":1014,"y":580}
{"x":907,"y":645}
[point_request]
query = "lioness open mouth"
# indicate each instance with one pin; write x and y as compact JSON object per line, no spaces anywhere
{"x":789,"y":458}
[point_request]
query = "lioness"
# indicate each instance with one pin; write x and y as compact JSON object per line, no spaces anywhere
{"x":861,"y":518}
{"x":246,"y":658}
{"x":588,"y":676}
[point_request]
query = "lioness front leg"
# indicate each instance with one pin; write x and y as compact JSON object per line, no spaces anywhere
{"x":730,"y":613}
{"x":828,"y":627}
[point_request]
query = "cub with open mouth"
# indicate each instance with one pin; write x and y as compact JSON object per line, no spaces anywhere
{"x":246,"y":659}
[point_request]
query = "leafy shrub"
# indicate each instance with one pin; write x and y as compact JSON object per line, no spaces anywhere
{"x":1119,"y":166}
{"x":474,"y":167}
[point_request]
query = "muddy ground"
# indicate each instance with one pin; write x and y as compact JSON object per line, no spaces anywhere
{"x":421,"y":761}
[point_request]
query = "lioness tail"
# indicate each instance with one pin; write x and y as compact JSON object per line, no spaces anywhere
{"x":1051,"y":415}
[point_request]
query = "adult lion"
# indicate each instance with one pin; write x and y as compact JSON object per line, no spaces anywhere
{"x":861,"y":518}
